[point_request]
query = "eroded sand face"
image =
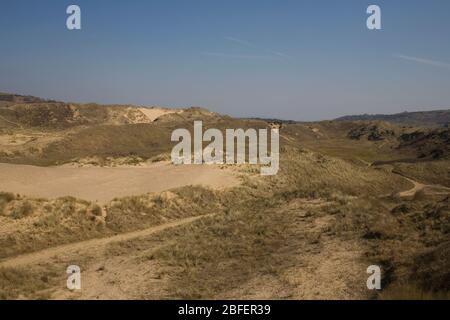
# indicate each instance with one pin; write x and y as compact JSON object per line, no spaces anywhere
{"x":104,"y":184}
{"x":154,"y":113}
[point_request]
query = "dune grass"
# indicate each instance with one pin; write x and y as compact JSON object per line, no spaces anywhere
{"x":255,"y":231}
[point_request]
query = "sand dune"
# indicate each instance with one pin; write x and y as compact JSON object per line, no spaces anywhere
{"x":103,"y":184}
{"x":154,"y":113}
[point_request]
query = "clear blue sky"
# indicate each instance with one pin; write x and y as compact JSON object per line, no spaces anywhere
{"x":303,"y":60}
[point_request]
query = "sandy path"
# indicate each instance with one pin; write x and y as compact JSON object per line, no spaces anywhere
{"x":411,"y":192}
{"x":87,"y":245}
{"x":14,"y":123}
{"x":330,"y":268}
{"x":104,"y":184}
{"x":427,"y":188}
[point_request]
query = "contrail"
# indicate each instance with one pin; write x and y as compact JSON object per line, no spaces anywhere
{"x":267,"y":54}
{"x":240,"y":56}
{"x":424,"y":61}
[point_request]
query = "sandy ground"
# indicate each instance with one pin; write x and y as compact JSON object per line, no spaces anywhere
{"x":103,"y":184}
{"x":154,"y":113}
{"x":329,"y":269}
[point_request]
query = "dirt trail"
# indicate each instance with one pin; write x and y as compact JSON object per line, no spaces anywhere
{"x":430,"y":189}
{"x":328,"y":268}
{"x":87,"y":245}
{"x":368,"y":164}
{"x":287,"y":138}
{"x":14,"y":123}
{"x":411,"y":192}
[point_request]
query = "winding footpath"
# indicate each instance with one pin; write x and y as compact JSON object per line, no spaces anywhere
{"x":84,"y":246}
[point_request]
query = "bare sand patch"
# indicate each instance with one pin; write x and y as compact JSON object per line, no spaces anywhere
{"x":154,"y":113}
{"x":104,"y":184}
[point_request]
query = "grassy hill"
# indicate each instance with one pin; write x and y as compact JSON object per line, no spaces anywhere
{"x":49,"y":133}
{"x":440,"y":118}
{"x":308,"y":232}
{"x":16,"y":98}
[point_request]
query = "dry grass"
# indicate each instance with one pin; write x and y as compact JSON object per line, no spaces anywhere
{"x":259,"y":234}
{"x":35,"y":224}
{"x":138,"y":212}
{"x":5,"y":198}
{"x":220,"y":253}
{"x":411,"y":292}
{"x":271,"y":235}
{"x":23,"y":284}
{"x":308,"y":172}
{"x":432,"y":172}
{"x":263,"y":229}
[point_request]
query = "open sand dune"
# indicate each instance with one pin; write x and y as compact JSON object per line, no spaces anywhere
{"x":154,"y":113}
{"x":102,"y":184}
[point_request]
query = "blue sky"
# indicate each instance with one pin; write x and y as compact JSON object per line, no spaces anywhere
{"x":302,"y":60}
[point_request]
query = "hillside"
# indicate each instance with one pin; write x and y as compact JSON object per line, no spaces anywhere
{"x":91,"y":184}
{"x":17,"y":98}
{"x":61,"y":116}
{"x":49,"y":133}
{"x":440,"y":118}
